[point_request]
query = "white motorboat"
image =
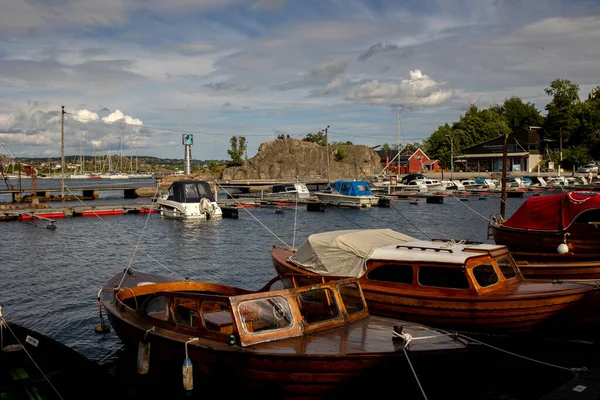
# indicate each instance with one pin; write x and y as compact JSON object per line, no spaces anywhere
{"x":189,"y":200}
{"x":348,"y":194}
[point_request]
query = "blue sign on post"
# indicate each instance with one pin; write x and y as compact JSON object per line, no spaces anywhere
{"x":188,"y":138}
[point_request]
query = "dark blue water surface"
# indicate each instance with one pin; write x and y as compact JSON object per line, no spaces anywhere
{"x":51,"y":278}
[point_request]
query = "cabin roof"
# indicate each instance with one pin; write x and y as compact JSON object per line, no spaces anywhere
{"x":433,"y":251}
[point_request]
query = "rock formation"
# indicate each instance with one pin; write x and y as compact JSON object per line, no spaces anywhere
{"x":291,"y":159}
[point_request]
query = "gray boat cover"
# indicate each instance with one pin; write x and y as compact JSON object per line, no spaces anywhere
{"x":345,"y":252}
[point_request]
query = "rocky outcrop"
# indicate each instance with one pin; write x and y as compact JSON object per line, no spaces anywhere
{"x":291,"y":159}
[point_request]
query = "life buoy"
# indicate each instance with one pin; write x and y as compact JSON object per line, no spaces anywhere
{"x":207,"y":208}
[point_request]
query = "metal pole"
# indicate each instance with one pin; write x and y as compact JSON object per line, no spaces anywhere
{"x":62,"y":155}
{"x":560,"y":159}
{"x":451,"y":156}
{"x":504,"y":167}
{"x":327,"y":150}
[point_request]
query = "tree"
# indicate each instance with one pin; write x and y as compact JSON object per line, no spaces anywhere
{"x":238,"y":147}
{"x":340,"y":154}
{"x":519,"y":115}
{"x":319,"y":138}
{"x":561,"y":121}
{"x":576,"y":155}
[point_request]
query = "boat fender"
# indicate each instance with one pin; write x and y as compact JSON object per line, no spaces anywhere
{"x":143,"y":357}
{"x":188,"y":371}
{"x":563,"y":248}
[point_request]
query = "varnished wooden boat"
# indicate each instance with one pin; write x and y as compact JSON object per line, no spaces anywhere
{"x":35,"y":366}
{"x":475,"y":288}
{"x":543,"y":223}
{"x":307,"y":341}
{"x":553,"y":236}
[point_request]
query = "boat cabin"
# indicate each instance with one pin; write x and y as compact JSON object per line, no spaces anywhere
{"x":349,"y":188}
{"x":290,"y":190}
{"x":189,"y":192}
{"x":245,"y":318}
{"x":434,"y":266}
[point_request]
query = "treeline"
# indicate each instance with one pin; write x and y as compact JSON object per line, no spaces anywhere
{"x":568,"y":119}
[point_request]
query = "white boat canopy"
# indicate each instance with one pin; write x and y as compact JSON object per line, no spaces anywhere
{"x":344,"y":252}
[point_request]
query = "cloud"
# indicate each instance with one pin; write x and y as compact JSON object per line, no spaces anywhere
{"x":221,"y":86}
{"x":330,"y":69}
{"x":118,"y":116}
{"x":196,"y":48}
{"x":317,"y":76}
{"x":377,"y":48}
{"x":418,"y":91}
{"x":269,"y":5}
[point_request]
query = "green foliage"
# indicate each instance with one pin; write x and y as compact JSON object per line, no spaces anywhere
{"x":562,"y":120}
{"x":347,"y":142}
{"x":519,"y":115}
{"x":213,"y":166}
{"x":576,"y":155}
{"x":238,"y":147}
{"x":319,"y":138}
{"x":340,"y":154}
{"x":386,"y":147}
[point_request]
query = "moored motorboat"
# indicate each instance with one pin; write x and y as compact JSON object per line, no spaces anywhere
{"x":348,"y":193}
{"x":189,"y":199}
{"x":423,"y":281}
{"x":314,"y":339}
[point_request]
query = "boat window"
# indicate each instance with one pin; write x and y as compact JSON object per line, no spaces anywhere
{"x":392,"y":273}
{"x":353,"y":301}
{"x":453,"y":278}
{"x":362,"y":188}
{"x":588,"y":217}
{"x":262,"y":315}
{"x":507,"y":269}
{"x":485,"y":274}
{"x":346,"y":187}
{"x":318,"y":305}
{"x":217,"y":316}
{"x":191,"y":193}
{"x":185,"y":312}
{"x":158,"y":308}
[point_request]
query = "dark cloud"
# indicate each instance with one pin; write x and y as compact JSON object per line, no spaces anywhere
{"x":377,"y":48}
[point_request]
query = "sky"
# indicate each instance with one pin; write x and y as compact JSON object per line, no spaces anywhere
{"x":135,"y":75}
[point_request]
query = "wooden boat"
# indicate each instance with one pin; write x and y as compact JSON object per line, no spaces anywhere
{"x":553,"y":236}
{"x":313,"y":339}
{"x":35,"y":366}
{"x":475,"y":288}
{"x":348,"y":193}
{"x":189,"y":199}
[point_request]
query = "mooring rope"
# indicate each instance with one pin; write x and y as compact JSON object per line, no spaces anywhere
{"x":256,"y":219}
{"x":573,"y":370}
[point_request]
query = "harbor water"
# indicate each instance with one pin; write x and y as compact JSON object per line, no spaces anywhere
{"x":51,"y":278}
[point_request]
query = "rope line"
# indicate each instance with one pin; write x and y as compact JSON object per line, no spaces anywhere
{"x":574,"y":370}
{"x":256,"y":219}
{"x":410,"y":223}
{"x":414,"y":372}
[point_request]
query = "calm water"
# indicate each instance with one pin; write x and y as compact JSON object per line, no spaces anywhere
{"x":51,"y":278}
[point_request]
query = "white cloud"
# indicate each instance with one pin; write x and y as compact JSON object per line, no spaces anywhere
{"x":84,"y":116}
{"x":419,"y":90}
{"x":118,"y":116}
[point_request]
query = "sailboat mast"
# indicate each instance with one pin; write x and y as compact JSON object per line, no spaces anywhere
{"x":398,"y":148}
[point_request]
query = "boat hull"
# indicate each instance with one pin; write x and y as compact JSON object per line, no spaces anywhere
{"x":579,"y":239}
{"x":532,"y":308}
{"x":347,"y":201}
{"x":320,"y":365}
